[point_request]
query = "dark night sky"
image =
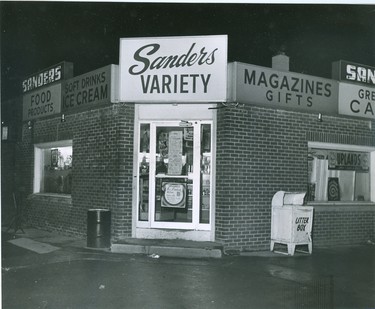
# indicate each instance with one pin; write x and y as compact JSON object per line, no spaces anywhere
{"x":36,"y":35}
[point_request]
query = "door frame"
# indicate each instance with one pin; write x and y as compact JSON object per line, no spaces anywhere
{"x":163,"y":224}
{"x":169,"y":113}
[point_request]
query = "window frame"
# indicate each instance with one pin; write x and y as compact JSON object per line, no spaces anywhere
{"x":39,"y":163}
{"x":345,"y":147}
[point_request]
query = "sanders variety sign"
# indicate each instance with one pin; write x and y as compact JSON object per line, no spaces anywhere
{"x":173,"y":69}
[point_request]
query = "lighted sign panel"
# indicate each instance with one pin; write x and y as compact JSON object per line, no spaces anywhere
{"x":48,"y":76}
{"x":357,"y":101}
{"x":348,"y":160}
{"x":353,"y":73}
{"x":42,"y":102}
{"x":173,"y":69}
{"x":90,"y":89}
{"x":282,"y":90}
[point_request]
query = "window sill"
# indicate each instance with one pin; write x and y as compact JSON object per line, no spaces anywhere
{"x":341,"y":203}
{"x":342,"y":206}
{"x":58,"y":195}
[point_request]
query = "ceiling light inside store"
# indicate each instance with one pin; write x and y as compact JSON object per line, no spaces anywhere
{"x":184,"y":123}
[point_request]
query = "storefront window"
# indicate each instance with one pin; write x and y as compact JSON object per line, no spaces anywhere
{"x":174,"y":168}
{"x":205,"y":173}
{"x":53,"y":168}
{"x":337,"y":175}
{"x":144,"y":171}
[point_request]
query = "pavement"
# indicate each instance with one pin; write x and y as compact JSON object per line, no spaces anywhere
{"x":43,"y":269}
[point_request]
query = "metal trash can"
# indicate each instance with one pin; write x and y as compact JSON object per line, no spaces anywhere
{"x":291,"y":221}
{"x":98,"y":228}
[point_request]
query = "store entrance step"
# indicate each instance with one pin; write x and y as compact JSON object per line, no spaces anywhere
{"x":168,"y":247}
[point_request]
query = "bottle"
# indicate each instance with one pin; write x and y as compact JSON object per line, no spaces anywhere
{"x":144,"y":166}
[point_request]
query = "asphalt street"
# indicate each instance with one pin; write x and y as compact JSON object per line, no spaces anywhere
{"x":77,"y":277}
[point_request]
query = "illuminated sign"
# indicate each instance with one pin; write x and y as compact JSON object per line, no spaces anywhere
{"x":42,"y":102}
{"x":353,"y":72}
{"x":173,"y":69}
{"x":282,"y":90}
{"x":93,"y":88}
{"x":48,"y":76}
{"x":356,"y":101}
{"x":346,"y":160}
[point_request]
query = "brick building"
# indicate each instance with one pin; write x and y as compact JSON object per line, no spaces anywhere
{"x":203,"y":168}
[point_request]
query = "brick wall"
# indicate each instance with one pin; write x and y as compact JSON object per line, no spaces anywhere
{"x":7,"y":181}
{"x":102,"y":169}
{"x":11,"y":113}
{"x":343,"y":226}
{"x":261,"y":151}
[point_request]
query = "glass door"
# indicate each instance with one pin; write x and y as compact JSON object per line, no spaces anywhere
{"x":175,"y":175}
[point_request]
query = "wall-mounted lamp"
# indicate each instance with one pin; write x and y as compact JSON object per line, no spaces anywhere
{"x":320,"y":117}
{"x":29,"y":124}
{"x":4,"y":131}
{"x":62,"y":117}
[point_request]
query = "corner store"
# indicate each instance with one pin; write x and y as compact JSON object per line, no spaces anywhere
{"x":258,"y":146}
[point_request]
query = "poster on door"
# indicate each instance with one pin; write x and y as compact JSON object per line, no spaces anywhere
{"x":174,"y":195}
{"x":175,"y":153}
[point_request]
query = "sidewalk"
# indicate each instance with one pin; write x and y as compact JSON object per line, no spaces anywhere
{"x":157,"y":247}
{"x":52,"y":238}
{"x":340,"y":277}
{"x":138,"y":246}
